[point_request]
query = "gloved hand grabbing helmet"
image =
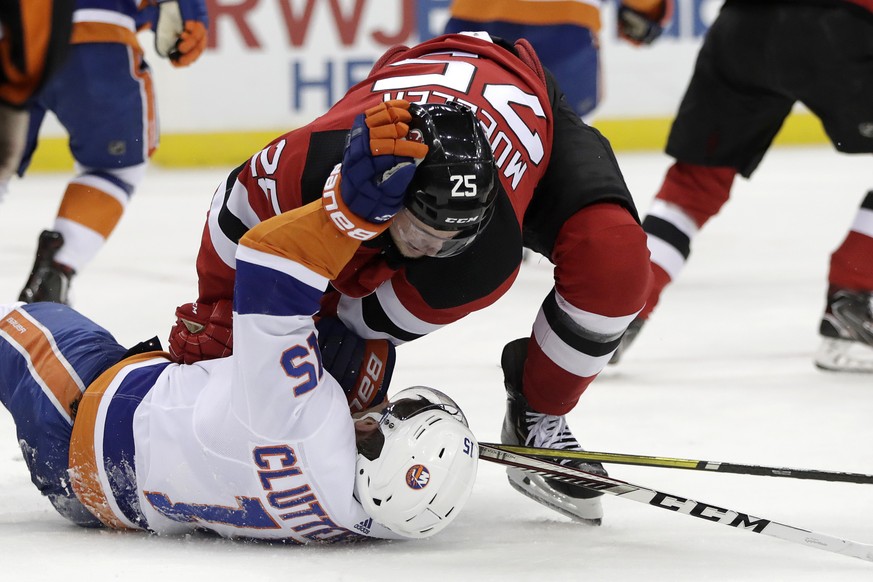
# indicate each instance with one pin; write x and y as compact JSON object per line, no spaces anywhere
{"x":367,"y":189}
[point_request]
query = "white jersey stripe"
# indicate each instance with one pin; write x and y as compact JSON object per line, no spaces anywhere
{"x":598,"y":324}
{"x":105,"y":16}
{"x":564,"y":355}
{"x":99,"y":433}
{"x":103,"y":185}
{"x":238,"y":204}
{"x":350,"y":311}
{"x":398,"y":314}
{"x":665,"y":256}
{"x":36,"y":377}
{"x":283,"y":265}
{"x":675,"y":216}
{"x":51,"y":340}
{"x":224,"y":247}
{"x":863,"y":223}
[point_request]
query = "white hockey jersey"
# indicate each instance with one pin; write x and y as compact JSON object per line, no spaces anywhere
{"x":260,"y":444}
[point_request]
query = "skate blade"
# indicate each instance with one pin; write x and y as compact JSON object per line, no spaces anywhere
{"x":836,"y":355}
{"x":585,"y":511}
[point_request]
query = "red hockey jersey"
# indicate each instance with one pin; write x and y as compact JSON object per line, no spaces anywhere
{"x":550,"y":165}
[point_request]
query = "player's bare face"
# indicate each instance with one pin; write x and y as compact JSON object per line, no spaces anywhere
{"x":414,"y":239}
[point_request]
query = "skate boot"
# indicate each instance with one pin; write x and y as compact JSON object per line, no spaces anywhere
{"x":847,"y":332}
{"x":526,"y":427}
{"x":49,"y":280}
{"x":627,"y":339}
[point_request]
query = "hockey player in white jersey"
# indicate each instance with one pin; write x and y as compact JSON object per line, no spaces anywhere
{"x":260,"y":444}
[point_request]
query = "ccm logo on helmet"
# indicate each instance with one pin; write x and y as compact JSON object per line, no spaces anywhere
{"x":464,"y":220}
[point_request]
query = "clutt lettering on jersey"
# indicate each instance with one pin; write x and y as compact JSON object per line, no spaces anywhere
{"x":286,"y":488}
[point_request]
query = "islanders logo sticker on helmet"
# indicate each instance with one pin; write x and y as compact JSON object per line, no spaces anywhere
{"x":417,"y":477}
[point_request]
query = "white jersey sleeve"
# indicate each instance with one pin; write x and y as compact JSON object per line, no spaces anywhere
{"x":260,"y":444}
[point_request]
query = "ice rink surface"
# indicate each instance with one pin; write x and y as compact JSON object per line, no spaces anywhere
{"x":722,"y":372}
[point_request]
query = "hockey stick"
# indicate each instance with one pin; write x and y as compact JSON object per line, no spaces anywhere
{"x":693,"y":464}
{"x":677,"y":504}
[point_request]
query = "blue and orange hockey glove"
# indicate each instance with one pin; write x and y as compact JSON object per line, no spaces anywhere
{"x":643,"y":21}
{"x":367,"y":189}
{"x":181,"y":30}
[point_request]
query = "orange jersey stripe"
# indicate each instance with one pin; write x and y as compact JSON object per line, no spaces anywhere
{"x":91,"y":207}
{"x":44,"y":361}
{"x":36,"y":23}
{"x":526,"y":12}
{"x":103,"y":32}
{"x":151,"y":116}
{"x":84,"y":465}
{"x":306,"y":236}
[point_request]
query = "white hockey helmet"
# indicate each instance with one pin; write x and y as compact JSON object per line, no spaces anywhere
{"x":422,"y":475}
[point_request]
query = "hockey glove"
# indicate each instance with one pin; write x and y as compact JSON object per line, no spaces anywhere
{"x":180,"y":32}
{"x":203,"y":331}
{"x":642,"y":21}
{"x":362,"y":367}
{"x":378,"y":165}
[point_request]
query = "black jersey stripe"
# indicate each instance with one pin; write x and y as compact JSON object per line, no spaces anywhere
{"x":376,"y":319}
{"x":230,"y":224}
{"x":325,"y":151}
{"x":574,"y":335}
{"x":669,"y":233}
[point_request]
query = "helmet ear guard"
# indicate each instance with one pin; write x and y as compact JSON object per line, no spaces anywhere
{"x":426,"y":468}
{"x":455,"y":186}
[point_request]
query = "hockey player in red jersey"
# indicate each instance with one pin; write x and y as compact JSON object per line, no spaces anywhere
{"x":457,"y":246}
{"x":758,"y":59}
{"x":104,"y":97}
{"x":260,"y":444}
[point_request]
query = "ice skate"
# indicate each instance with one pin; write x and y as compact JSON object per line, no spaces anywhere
{"x":847,"y":332}
{"x":49,"y":280}
{"x":524,"y":426}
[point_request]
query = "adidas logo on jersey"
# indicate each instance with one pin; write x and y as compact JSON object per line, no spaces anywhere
{"x":365,"y":525}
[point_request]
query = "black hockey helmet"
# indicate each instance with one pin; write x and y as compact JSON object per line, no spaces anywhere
{"x":456,"y":184}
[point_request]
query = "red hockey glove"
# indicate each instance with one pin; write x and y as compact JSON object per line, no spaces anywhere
{"x":180,"y":32}
{"x":203,"y":331}
{"x":642,"y":21}
{"x":364,"y":192}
